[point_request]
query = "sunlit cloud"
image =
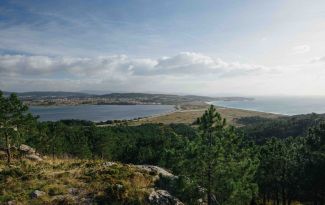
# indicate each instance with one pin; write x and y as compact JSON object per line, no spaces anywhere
{"x":183,"y":64}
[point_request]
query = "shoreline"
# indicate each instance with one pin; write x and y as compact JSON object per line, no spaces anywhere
{"x":230,"y":107}
{"x":275,"y":113}
{"x":188,"y":116}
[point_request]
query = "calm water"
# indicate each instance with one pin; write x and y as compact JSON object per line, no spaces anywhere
{"x":98,"y":112}
{"x":282,"y":105}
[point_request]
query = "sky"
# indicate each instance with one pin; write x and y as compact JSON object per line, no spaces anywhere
{"x":203,"y":47}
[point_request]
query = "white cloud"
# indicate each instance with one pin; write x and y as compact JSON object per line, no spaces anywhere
{"x":183,"y":73}
{"x":300,"y":49}
{"x":185,"y":63}
{"x":318,"y":60}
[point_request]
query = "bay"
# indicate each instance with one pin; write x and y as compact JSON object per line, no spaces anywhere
{"x":98,"y":113}
{"x":281,"y":105}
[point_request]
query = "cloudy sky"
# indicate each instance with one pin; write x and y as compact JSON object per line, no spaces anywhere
{"x":190,"y":47}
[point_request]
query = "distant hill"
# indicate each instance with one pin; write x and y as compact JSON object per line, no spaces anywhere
{"x":43,"y":94}
{"x":171,"y":96}
{"x":53,"y":98}
{"x":158,"y":98}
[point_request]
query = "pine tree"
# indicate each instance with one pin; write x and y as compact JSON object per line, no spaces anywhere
{"x":221,"y":163}
{"x":315,"y":163}
{"x":13,"y":120}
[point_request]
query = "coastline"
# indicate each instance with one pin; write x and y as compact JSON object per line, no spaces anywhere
{"x":230,"y":107}
{"x":258,"y":111}
{"x":188,"y":116}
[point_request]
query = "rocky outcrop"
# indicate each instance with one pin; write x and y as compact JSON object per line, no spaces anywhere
{"x":155,"y":170}
{"x":74,"y":191}
{"x":36,"y":194}
{"x":29,"y":153}
{"x":12,"y":202}
{"x":34,"y":157}
{"x":109,"y":164}
{"x":163,"y":197}
{"x":3,"y":154}
{"x":159,"y":196}
{"x":26,"y":149}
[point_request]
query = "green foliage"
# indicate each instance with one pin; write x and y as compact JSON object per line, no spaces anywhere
{"x":14,"y":122}
{"x":315,"y":163}
{"x":219,"y":161}
{"x":279,"y":172}
{"x":260,"y":130}
{"x":147,"y":144}
{"x":293,"y":168}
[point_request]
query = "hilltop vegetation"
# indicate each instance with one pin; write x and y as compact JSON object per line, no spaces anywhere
{"x":47,"y":94}
{"x":261,"y":129}
{"x":267,"y":161}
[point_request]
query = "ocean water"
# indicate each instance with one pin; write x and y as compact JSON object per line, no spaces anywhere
{"x":98,"y":113}
{"x":280,"y":105}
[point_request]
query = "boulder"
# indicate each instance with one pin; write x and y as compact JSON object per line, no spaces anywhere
{"x":26,"y":149}
{"x":34,"y":157}
{"x":36,"y":194}
{"x":3,"y":154}
{"x":73,"y":191}
{"x":163,"y":197}
{"x":155,"y":169}
{"x":58,"y":198}
{"x":119,"y":186}
{"x":108,"y":164}
{"x":12,"y":202}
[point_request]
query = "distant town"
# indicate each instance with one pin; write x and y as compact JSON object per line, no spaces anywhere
{"x":75,"y":98}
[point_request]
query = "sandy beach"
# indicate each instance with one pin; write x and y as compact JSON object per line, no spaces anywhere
{"x":188,"y":114}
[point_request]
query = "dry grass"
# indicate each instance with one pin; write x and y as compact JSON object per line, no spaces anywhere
{"x":92,"y":179}
{"x":189,"y":116}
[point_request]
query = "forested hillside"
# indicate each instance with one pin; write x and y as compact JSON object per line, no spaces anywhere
{"x":265,"y":162}
{"x":261,"y":129}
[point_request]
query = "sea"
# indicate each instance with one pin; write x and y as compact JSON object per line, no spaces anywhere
{"x":98,"y":113}
{"x":279,"y":105}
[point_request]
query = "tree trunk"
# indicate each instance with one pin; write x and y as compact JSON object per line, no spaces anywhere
{"x":283,"y":197}
{"x":253,"y":201}
{"x":277,"y":198}
{"x":315,"y":198}
{"x":53,"y":152}
{"x":53,"y":145}
{"x":209,"y":174}
{"x":8,"y":148}
{"x":209,"y":189}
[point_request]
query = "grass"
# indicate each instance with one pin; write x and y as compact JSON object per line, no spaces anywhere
{"x":188,"y":116}
{"x":91,"y":179}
